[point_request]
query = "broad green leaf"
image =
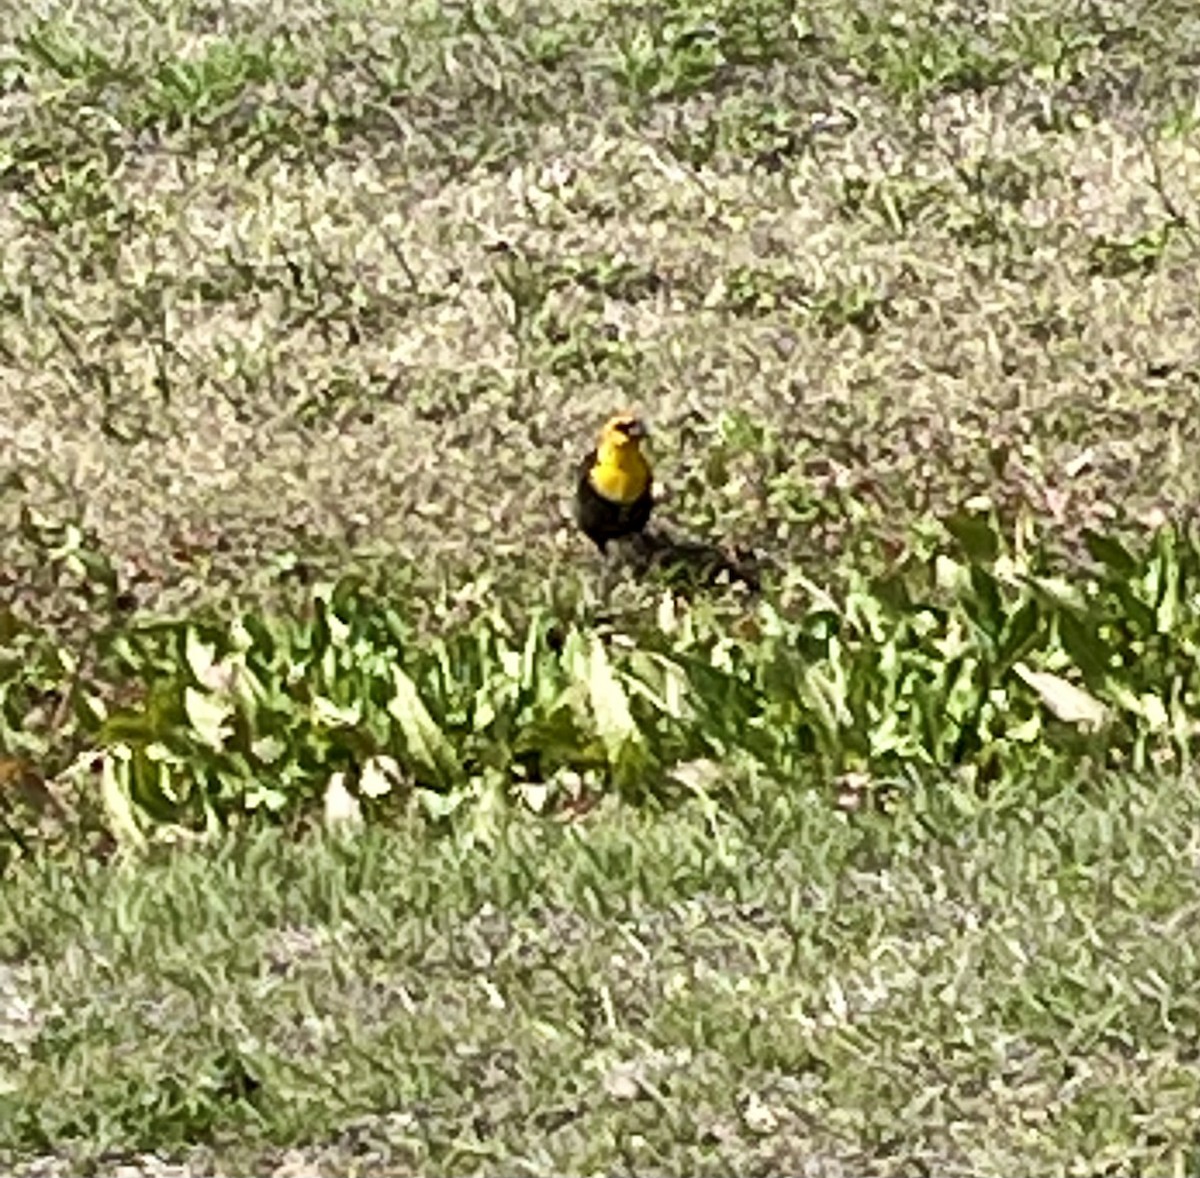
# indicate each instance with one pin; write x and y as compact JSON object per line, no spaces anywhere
{"x":246,"y":689}
{"x":976,"y":535}
{"x":431,"y":753}
{"x":484,"y":712}
{"x":441,"y":805}
{"x":889,"y":739}
{"x":268,"y":748}
{"x":962,"y":690}
{"x":126,"y":727}
{"x":865,"y":611}
{"x":668,"y":614}
{"x":984,"y":603}
{"x":1147,"y":706}
{"x":1154,"y":712}
{"x":347,"y":595}
{"x":821,"y":692}
{"x":342,"y":808}
{"x":950,"y":575}
{"x":201,"y":659}
{"x":1020,"y":633}
{"x":208,"y":716}
{"x":333,"y":715}
{"x":155,"y":770}
{"x":1069,"y":703}
{"x":261,"y":796}
{"x":240,"y":636}
{"x":1110,"y":552}
{"x":559,"y":736}
{"x":614,"y":720}
{"x":1086,"y":648}
{"x":115,"y":774}
{"x":1167,"y":597}
{"x":1026,"y":731}
{"x":660,"y":680}
{"x":1058,"y":592}
{"x":535,"y":794}
{"x":1134,"y":613}
{"x":378,"y":777}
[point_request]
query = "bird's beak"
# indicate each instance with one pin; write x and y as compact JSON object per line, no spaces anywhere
{"x":638,"y":431}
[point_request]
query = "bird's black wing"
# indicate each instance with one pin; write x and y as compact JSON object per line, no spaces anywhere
{"x":593,"y":513}
{"x":637,"y":514}
{"x":601,"y":519}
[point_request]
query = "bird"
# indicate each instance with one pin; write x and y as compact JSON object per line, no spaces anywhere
{"x":614,"y":495}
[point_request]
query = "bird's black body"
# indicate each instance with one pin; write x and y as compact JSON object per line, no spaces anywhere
{"x":602,"y":519}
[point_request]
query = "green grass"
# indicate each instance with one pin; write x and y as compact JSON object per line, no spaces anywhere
{"x":306,"y":313}
{"x":976,"y":986}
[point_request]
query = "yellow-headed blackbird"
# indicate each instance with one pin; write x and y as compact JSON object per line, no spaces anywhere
{"x":614,"y":495}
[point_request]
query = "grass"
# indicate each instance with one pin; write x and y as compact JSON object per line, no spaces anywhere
{"x":976,"y":986}
{"x":303,"y":284}
{"x":886,"y":867}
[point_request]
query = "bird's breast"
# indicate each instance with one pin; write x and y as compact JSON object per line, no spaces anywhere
{"x":621,"y":484}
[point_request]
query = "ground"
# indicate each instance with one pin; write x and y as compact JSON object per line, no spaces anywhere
{"x":286,"y":291}
{"x":369,"y":277}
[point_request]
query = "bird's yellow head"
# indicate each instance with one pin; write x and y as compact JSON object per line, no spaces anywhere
{"x":623,"y":430}
{"x":621,"y":472}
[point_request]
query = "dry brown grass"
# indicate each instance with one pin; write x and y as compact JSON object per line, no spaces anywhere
{"x":318,"y":352}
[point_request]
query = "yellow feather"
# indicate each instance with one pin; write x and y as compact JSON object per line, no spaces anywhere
{"x":621,"y":472}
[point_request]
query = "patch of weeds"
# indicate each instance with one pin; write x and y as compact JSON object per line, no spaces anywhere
{"x":199,"y":92}
{"x":571,"y":334}
{"x":997,"y":189}
{"x":1182,"y":122}
{"x":767,"y":132}
{"x":915,"y":56}
{"x":584,"y":345}
{"x":525,"y":282}
{"x":613,"y":276}
{"x":1104,"y":68}
{"x":529,"y":279}
{"x":912,"y":58}
{"x":484,"y":105}
{"x":754,"y":290}
{"x":347,"y":395}
{"x":665,"y":61}
{"x":1054,"y":49}
{"x":117,"y":398}
{"x":1111,"y":257}
{"x":685,"y":48}
{"x":758,"y":291}
{"x":1003,"y":179}
{"x":1005,"y":239}
{"x":897,"y":202}
{"x":162,"y":1104}
{"x":849,"y":304}
{"x":442,"y":396}
{"x":728,"y":479}
{"x":54,"y":47}
{"x":532,"y":40}
{"x":334,"y":300}
{"x":80,"y":211}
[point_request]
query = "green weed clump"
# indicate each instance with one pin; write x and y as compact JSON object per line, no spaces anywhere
{"x":968,"y":652}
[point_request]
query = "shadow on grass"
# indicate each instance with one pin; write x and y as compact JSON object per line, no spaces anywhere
{"x":686,"y":563}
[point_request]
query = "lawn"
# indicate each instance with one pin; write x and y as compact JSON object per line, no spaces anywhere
{"x":355,"y":818}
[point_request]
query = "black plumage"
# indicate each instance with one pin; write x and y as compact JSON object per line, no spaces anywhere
{"x":602,"y":519}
